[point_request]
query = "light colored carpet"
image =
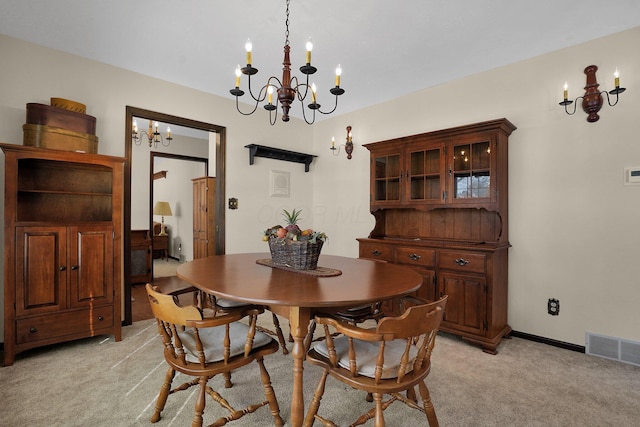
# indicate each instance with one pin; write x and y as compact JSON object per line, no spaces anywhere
{"x":100,"y":382}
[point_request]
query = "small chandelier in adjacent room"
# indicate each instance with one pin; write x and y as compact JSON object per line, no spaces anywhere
{"x":153,"y":136}
{"x":348,"y":146}
{"x":287,"y":89}
{"x":592,"y":100}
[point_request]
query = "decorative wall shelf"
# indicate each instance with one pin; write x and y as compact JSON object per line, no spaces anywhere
{"x":256,"y":150}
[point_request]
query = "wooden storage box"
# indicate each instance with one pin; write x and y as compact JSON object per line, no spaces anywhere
{"x":47,"y":115}
{"x":59,"y":139}
{"x":68,"y":104}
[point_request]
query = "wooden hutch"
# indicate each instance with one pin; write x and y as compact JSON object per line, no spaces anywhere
{"x":440,"y":201}
{"x":62,"y":247}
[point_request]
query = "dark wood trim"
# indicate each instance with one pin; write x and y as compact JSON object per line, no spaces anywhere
{"x":549,"y":341}
{"x":220,"y":169}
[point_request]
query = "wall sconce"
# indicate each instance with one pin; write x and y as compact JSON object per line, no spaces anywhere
{"x":592,"y":100}
{"x":348,"y":146}
{"x":154,"y":137}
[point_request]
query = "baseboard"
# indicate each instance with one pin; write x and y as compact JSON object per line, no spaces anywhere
{"x":549,"y":341}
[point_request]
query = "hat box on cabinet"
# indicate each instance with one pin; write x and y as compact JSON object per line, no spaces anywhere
{"x":47,"y":115}
{"x":59,"y":139}
{"x":68,"y":104}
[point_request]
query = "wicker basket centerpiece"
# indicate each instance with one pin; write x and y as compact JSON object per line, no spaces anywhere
{"x":293,"y":247}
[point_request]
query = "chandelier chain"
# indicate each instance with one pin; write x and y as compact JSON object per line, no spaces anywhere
{"x":286,"y":23}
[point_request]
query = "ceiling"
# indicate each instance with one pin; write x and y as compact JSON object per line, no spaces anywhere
{"x":386,"y":48}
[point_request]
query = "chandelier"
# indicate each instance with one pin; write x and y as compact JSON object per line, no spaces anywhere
{"x":288,"y":89}
{"x":153,"y":136}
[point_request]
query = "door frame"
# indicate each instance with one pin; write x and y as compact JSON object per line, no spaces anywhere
{"x":220,"y":173}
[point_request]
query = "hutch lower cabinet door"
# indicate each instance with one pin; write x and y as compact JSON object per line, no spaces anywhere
{"x":64,"y":283}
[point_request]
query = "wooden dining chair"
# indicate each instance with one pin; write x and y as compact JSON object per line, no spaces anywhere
{"x":203,"y":347}
{"x":390,"y":359}
{"x":207,"y":301}
{"x":225,"y":304}
{"x":354,"y":315}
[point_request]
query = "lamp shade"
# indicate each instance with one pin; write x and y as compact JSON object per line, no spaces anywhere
{"x":162,"y":208}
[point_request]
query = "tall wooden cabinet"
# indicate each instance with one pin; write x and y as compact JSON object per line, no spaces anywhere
{"x":440,"y":200}
{"x":203,"y":217}
{"x":62,"y":247}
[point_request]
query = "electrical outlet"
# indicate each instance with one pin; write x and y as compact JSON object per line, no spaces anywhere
{"x":553,"y":307}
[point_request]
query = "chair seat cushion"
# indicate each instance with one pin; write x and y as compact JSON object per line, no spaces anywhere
{"x":213,"y":341}
{"x":367,"y":353}
{"x":229,"y":303}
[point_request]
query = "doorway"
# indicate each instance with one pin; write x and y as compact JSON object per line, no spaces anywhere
{"x":219,"y":172}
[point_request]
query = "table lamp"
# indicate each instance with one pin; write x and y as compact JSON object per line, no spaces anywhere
{"x":163,"y":209}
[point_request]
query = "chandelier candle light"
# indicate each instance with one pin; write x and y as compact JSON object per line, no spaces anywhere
{"x":288,"y":89}
{"x":153,"y":136}
{"x":592,"y":100}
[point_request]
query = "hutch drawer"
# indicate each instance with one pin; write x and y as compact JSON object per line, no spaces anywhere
{"x":376,"y":251}
{"x":55,"y":325}
{"x":415,"y":256}
{"x":468,"y":262}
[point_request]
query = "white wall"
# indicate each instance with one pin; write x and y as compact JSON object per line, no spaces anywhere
{"x":177,"y":190}
{"x":573,"y":224}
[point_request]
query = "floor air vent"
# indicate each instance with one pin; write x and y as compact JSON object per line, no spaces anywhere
{"x":613,"y":348}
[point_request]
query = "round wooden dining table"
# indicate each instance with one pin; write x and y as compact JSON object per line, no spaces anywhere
{"x":298,"y":295}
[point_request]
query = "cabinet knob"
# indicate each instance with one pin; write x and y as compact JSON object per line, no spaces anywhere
{"x":74,"y":267}
{"x":461,"y":261}
{"x":415,"y":257}
{"x":376,"y":252}
{"x":62,"y":268}
{"x":33,"y":330}
{"x":100,"y":318}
